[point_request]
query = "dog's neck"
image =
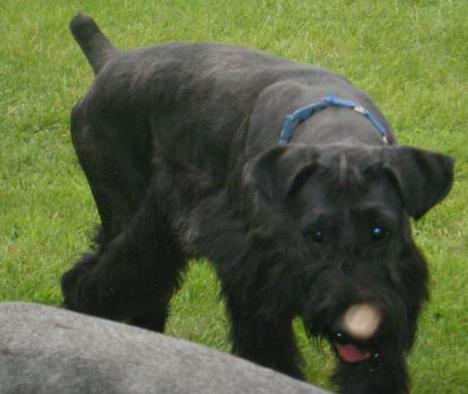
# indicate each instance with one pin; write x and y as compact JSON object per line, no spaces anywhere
{"x":329,"y":125}
{"x":338,"y":126}
{"x":302,"y":114}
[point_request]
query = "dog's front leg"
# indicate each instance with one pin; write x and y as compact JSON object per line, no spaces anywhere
{"x":265,"y":341}
{"x":385,"y":373}
{"x":260,"y":293}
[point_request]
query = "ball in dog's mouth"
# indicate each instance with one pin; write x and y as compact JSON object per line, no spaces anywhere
{"x":359,"y":323}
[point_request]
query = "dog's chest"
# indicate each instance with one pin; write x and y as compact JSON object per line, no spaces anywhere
{"x":187,"y":229}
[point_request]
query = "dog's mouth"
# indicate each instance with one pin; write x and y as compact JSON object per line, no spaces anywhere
{"x":355,"y":335}
{"x":351,"y":353}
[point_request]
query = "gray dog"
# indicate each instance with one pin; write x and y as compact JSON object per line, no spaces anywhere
{"x":284,"y":175}
{"x":46,"y":350}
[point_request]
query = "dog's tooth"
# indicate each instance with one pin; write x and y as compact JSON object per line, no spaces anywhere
{"x":361,"y":321}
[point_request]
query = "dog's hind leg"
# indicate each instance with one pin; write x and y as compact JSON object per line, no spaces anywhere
{"x":115,"y":182}
{"x":135,"y":275}
{"x":135,"y":269}
{"x":117,"y":166}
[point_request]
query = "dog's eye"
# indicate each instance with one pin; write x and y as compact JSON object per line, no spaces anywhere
{"x":318,"y":235}
{"x":378,"y":233}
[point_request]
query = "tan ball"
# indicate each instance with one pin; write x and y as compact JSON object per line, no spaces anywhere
{"x":361,"y":321}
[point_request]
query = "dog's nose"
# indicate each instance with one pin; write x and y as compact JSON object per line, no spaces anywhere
{"x":361,"y":321}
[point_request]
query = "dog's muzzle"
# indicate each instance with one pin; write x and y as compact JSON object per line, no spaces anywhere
{"x":358,"y":325}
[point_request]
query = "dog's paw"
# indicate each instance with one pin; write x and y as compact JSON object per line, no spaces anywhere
{"x":77,"y":285}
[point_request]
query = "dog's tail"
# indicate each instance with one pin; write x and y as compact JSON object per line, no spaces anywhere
{"x":95,"y":45}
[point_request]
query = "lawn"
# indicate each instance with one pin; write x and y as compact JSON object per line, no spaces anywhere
{"x":411,"y":56}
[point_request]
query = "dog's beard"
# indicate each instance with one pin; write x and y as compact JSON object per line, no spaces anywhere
{"x":352,"y":339}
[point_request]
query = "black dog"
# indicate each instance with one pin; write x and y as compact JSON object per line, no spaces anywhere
{"x":179,"y":143}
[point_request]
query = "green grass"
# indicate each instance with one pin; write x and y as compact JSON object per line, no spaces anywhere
{"x":411,"y":56}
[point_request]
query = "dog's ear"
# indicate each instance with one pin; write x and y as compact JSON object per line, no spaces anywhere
{"x":423,"y":178}
{"x":281,"y":170}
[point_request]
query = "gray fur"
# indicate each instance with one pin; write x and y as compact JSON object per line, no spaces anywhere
{"x":45,"y":350}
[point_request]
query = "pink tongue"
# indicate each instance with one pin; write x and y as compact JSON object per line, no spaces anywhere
{"x":351,"y":353}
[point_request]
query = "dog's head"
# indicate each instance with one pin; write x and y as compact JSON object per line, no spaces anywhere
{"x":342,"y":213}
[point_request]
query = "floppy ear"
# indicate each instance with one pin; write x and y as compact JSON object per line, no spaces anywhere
{"x":423,"y":178}
{"x":281,"y":170}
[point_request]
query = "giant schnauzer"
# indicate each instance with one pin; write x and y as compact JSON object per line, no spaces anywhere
{"x":285,"y":176}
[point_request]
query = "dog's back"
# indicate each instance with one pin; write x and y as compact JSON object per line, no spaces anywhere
{"x":209,"y":89}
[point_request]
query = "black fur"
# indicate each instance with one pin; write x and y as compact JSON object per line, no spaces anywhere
{"x":179,"y":145}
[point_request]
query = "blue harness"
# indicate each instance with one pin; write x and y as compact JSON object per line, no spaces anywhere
{"x":304,"y":113}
